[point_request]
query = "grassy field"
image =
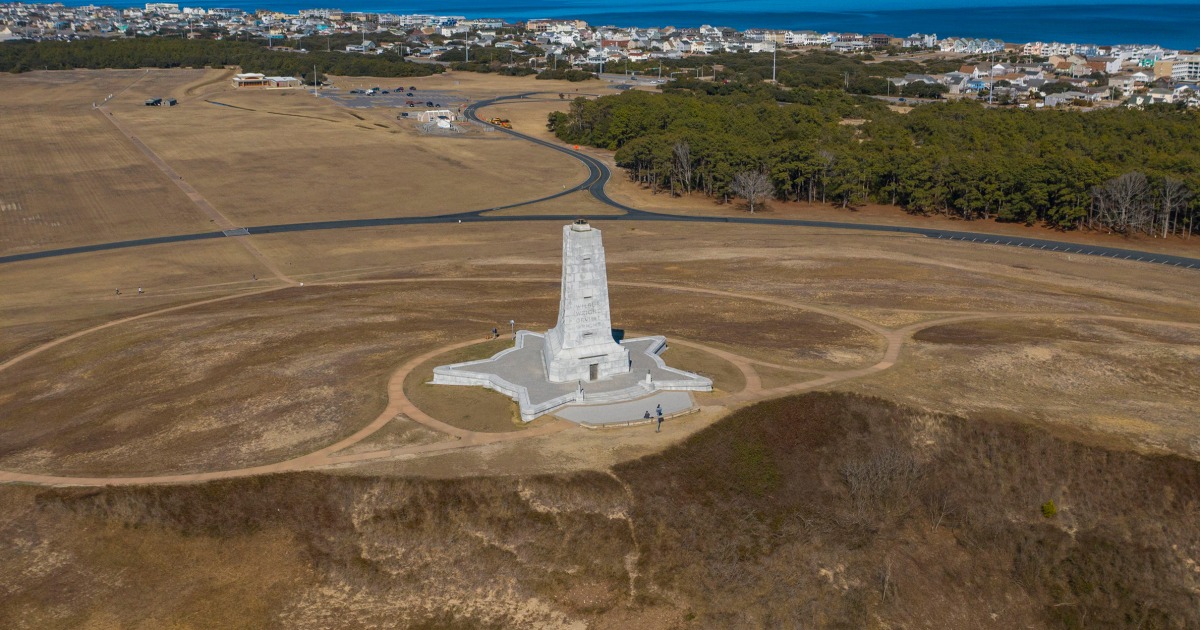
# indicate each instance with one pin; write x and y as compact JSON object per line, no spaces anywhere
{"x":68,"y":177}
{"x":737,"y":515}
{"x":1055,"y":373}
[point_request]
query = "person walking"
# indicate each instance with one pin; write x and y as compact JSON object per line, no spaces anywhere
{"x":659,"y":429}
{"x":660,"y":410}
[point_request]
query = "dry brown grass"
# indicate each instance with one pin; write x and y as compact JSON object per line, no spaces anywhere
{"x":471,"y":408}
{"x":821,"y":510}
{"x":400,"y":431}
{"x":253,"y":381}
{"x":726,"y":377}
{"x":1136,"y":383}
{"x":68,"y":177}
{"x":774,"y":377}
{"x":892,"y":280}
{"x":46,"y":299}
{"x":299,"y":158}
{"x":751,"y":329}
{"x":752,"y":524}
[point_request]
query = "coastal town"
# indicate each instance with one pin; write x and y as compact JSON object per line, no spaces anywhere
{"x":1023,"y":74}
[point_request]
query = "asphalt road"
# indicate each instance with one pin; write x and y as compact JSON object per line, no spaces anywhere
{"x":598,"y":176}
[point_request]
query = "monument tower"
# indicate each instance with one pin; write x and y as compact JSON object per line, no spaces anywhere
{"x":581,"y":346}
{"x":577,"y":369}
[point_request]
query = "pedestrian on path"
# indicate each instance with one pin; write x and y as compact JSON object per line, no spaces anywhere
{"x":140,"y":291}
{"x":118,"y":292}
{"x":660,"y":410}
{"x":660,"y":419}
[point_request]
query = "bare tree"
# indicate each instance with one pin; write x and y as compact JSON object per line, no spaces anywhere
{"x":1173,"y":199}
{"x":1122,"y":203}
{"x":681,"y":166}
{"x":753,"y":186}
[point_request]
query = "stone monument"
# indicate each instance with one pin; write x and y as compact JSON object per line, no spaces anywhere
{"x":578,"y":369}
{"x":581,"y":346}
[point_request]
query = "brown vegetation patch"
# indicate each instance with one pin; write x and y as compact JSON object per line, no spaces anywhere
{"x":1026,"y":331}
{"x":772,"y":332}
{"x":1134,"y":382}
{"x":820,"y":510}
{"x":400,"y":431}
{"x":772,"y":377}
{"x":902,"y":518}
{"x":231,"y":384}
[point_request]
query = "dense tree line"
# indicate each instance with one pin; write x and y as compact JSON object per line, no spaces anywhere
{"x":566,"y":74}
{"x":160,"y":52}
{"x":1119,"y":169}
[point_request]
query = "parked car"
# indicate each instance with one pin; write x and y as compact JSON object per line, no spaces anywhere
{"x":428,"y":103}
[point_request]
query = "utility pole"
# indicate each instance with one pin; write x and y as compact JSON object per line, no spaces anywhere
{"x":314,"y":79}
{"x":774,"y":46}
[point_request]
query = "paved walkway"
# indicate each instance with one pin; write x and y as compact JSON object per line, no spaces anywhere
{"x":629,"y":411}
{"x":524,"y":368}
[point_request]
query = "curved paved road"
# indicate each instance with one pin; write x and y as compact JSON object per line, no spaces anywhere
{"x":598,"y":176}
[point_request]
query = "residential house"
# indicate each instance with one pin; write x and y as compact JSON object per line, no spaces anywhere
{"x":1067,"y":98}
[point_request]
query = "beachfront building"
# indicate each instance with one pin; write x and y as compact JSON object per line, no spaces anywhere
{"x":921,"y":40}
{"x":1186,"y":68}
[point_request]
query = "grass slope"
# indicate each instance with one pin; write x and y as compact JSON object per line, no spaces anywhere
{"x":820,"y":510}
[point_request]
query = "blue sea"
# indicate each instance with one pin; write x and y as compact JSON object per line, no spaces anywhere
{"x":1171,"y":24}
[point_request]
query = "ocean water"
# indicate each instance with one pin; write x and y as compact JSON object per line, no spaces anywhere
{"x":1171,"y":24}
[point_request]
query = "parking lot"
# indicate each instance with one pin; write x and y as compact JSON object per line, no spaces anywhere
{"x":421,"y":99}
